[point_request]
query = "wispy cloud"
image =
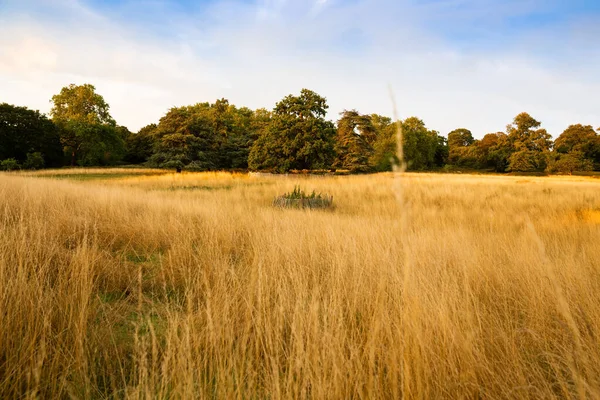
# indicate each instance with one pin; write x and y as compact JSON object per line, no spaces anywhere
{"x":147,"y":56}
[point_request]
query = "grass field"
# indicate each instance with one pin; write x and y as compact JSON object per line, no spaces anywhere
{"x":145,"y":284}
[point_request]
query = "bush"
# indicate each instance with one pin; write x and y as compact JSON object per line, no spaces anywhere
{"x":569,"y":163}
{"x":299,"y":199}
{"x":34,"y":161}
{"x":9,"y":164}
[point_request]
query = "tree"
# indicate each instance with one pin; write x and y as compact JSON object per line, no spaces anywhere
{"x":441,"y":151}
{"x":462,"y":150}
{"x":531,"y":142}
{"x":140,"y":146}
{"x":34,"y":161}
{"x":420,"y":144}
{"x":10,"y":164}
{"x":494,"y":150}
{"x":580,"y":139}
{"x":297,"y":137}
{"x":354,"y":142}
{"x":567,"y":163}
{"x":24,"y":132}
{"x":206,"y":136}
{"x":385,"y":146}
{"x":87,"y":130}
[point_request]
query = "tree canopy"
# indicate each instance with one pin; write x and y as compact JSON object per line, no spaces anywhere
{"x":87,"y":130}
{"x":25,"y":132}
{"x":294,"y":135}
{"x":205,"y":136}
{"x":297,"y":136}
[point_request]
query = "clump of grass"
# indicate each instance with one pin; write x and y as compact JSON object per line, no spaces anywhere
{"x":300,"y":199}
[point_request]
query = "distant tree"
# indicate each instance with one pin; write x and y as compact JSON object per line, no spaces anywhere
{"x":460,"y":138}
{"x":34,"y":161}
{"x":462,"y":149}
{"x":442,"y":152}
{"x":139,"y":147}
{"x":529,"y":143}
{"x":420,"y":144}
{"x":580,"y":139}
{"x":494,"y":150}
{"x":568,"y":163}
{"x":297,"y":137}
{"x":10,"y":164}
{"x":385,"y":146}
{"x":184,"y":136}
{"x":88,"y":132}
{"x":24,"y":131}
{"x":354,"y":142}
{"x":205,"y":136}
{"x":236,"y":137}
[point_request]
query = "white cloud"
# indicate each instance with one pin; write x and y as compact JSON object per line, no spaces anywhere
{"x":256,"y":54}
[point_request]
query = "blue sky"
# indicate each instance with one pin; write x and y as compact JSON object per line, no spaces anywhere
{"x":453,"y":63}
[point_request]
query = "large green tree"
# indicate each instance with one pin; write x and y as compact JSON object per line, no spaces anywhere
{"x":494,"y":150}
{"x":582,"y":139}
{"x":87,"y":130}
{"x":529,"y":143}
{"x":385,"y":147}
{"x":206,"y":136}
{"x":27,"y":134}
{"x":462,"y":149}
{"x":140,"y":146}
{"x":420,"y":144}
{"x":297,"y":137}
{"x":355,"y":138}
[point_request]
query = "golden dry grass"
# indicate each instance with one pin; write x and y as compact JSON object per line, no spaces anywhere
{"x":193,"y":286}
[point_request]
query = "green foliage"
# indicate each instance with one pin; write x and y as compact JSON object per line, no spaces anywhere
{"x":298,"y":194}
{"x":529,"y":144}
{"x":385,"y":146}
{"x":80,"y":103}
{"x":297,"y":137}
{"x":420,"y":144}
{"x":34,"y":161}
{"x":523,"y":134}
{"x":299,"y":199}
{"x":293,"y":136}
{"x":442,"y":151}
{"x":354,"y":142}
{"x":139,"y":147}
{"x":568,"y":163}
{"x":580,"y":139}
{"x":87,"y":131}
{"x":205,"y":136}
{"x":92,"y":144}
{"x":10,"y":164}
{"x":522,"y":161}
{"x":493,"y":151}
{"x":461,"y":149}
{"x":23,"y":131}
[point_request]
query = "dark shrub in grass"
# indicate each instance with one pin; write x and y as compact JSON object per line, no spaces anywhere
{"x":299,"y":199}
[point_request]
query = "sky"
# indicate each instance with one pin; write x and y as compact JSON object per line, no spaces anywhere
{"x":471,"y":64}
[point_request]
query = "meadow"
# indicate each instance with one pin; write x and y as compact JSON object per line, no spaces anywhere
{"x":143,"y":284}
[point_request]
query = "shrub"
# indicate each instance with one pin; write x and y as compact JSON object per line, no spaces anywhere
{"x":299,"y":199}
{"x":34,"y":161}
{"x":9,"y":164}
{"x":570,"y":162}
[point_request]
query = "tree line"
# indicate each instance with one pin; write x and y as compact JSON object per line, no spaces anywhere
{"x":294,"y":135}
